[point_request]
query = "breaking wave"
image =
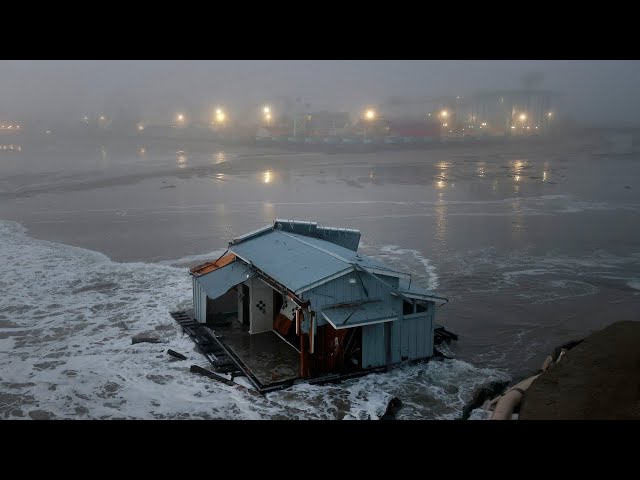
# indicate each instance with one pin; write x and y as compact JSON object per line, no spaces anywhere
{"x":67,"y":316}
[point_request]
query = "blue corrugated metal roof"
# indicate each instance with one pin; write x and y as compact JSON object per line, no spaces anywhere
{"x":219,"y":281}
{"x":345,"y":237}
{"x":290,"y":261}
{"x":364,"y":313}
{"x":300,"y":262}
{"x":348,"y":255}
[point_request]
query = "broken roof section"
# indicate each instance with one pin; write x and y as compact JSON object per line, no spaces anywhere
{"x":302,"y":262}
{"x":221,"y":280}
{"x":205,"y":268}
{"x":418,"y":293}
{"x":358,"y":314}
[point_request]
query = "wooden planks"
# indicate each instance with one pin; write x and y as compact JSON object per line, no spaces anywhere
{"x":211,"y":266}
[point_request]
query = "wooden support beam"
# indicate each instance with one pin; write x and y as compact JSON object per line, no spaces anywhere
{"x":207,"y":373}
{"x":177,"y":355}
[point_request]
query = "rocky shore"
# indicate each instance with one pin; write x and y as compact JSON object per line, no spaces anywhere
{"x":599,"y":379}
{"x":595,"y":378}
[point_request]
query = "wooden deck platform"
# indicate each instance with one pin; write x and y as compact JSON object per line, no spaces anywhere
{"x":269,"y":358}
{"x":265,"y":359}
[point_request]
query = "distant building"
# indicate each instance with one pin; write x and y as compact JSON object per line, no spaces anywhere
{"x":326,"y":123}
{"x":10,"y":128}
{"x":506,"y":112}
{"x":413,"y":128}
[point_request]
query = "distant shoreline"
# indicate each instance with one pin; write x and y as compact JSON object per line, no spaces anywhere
{"x":281,"y":145}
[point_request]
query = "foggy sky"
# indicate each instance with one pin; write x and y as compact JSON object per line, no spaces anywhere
{"x":602,"y":92}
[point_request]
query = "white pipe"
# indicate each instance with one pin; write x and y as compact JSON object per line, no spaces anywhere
{"x":562,"y":352}
{"x":493,"y":402}
{"x":547,"y":362}
{"x":510,"y":400}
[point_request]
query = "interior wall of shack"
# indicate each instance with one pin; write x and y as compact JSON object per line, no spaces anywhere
{"x":329,"y":352}
{"x":239,"y":290}
{"x":261,"y":306}
{"x":222,"y":307}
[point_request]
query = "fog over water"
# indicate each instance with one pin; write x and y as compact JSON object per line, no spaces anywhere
{"x":535,"y":242}
{"x":600,"y":92}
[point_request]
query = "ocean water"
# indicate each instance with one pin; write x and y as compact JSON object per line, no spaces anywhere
{"x":532,"y":247}
{"x":67,"y":316}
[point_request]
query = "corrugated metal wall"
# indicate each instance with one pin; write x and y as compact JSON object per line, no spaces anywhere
{"x":199,"y":301}
{"x":411,"y":336}
{"x":411,"y":339}
{"x":373,"y":345}
{"x":416,"y":336}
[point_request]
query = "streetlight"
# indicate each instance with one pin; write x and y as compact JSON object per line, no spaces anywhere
{"x":220,"y":116}
{"x":180,"y":119}
{"x":267,"y":117}
{"x":444,"y":113}
{"x":523,"y":117}
{"x":369,"y":116}
{"x":266,"y":110}
{"x":140,"y":127}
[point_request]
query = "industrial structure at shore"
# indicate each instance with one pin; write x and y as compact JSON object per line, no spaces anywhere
{"x":283,"y":120}
{"x":508,"y":113}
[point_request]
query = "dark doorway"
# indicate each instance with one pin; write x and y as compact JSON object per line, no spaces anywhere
{"x":246,"y":305}
{"x":278,"y":300}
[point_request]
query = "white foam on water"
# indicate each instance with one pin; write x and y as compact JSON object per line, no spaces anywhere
{"x":510,"y":277}
{"x":538,"y":279}
{"x":431,"y":390}
{"x":635,"y":284}
{"x":429,"y":268}
{"x":192,"y":260}
{"x":68,"y":315}
{"x":479,"y":414}
{"x":437,"y":389}
{"x":555,"y":289}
